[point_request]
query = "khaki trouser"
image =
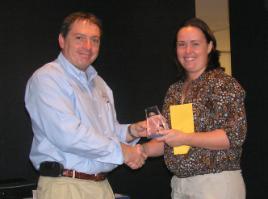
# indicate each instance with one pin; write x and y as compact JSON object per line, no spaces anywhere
{"x":224,"y":185}
{"x":71,"y":188}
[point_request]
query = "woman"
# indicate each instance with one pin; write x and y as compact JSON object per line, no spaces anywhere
{"x":211,"y":168}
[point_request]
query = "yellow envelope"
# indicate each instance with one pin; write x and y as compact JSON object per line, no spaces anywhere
{"x":182,"y":119}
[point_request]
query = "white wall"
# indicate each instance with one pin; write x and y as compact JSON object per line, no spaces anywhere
{"x":216,"y":14}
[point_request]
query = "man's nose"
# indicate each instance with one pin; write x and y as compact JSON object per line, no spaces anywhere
{"x":87,"y":44}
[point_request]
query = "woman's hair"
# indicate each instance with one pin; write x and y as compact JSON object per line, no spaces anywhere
{"x":213,"y":56}
{"x":70,"y":19}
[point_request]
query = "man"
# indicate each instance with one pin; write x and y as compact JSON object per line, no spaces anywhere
{"x":77,"y":138}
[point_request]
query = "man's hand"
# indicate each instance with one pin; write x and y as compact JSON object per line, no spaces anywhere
{"x":138,"y":129}
{"x":134,"y":156}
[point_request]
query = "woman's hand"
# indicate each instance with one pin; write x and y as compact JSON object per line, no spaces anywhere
{"x":214,"y":140}
{"x":172,"y":137}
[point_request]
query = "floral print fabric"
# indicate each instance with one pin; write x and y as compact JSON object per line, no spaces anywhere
{"x":218,"y":103}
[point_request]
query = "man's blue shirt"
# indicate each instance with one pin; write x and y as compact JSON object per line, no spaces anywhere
{"x":73,"y":118}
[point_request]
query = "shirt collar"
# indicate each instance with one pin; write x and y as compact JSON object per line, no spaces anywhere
{"x":87,"y":76}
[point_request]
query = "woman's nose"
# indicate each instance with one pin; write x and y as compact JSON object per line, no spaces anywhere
{"x":188,"y":49}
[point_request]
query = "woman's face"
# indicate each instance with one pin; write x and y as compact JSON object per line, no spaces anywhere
{"x":192,"y":51}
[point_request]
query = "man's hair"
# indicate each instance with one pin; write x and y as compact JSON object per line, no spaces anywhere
{"x":70,"y":19}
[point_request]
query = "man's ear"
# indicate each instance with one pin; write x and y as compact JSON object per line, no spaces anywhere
{"x":61,"y":41}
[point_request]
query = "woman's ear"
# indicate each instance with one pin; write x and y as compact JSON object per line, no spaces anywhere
{"x":210,"y":46}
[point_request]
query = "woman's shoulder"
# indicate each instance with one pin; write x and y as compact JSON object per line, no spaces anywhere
{"x":221,"y":77}
{"x":224,"y":82}
{"x":175,"y":85}
{"x":174,"y":89}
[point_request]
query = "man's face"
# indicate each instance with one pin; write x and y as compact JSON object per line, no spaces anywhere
{"x":81,"y":44}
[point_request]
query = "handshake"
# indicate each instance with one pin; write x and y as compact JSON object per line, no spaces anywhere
{"x":134,"y":156}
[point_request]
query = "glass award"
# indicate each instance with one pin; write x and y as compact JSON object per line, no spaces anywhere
{"x":155,"y":122}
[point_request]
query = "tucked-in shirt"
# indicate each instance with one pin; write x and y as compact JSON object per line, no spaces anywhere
{"x":73,"y":118}
{"x":218,"y":103}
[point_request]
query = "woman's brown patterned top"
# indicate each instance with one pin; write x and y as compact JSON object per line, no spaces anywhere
{"x":218,"y":103}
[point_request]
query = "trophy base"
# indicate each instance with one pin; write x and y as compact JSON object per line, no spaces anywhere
{"x":155,"y":135}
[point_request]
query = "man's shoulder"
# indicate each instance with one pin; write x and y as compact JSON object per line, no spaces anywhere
{"x":51,"y":68}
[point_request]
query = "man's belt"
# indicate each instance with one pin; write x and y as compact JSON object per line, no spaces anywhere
{"x":55,"y":169}
{"x":84,"y":176}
